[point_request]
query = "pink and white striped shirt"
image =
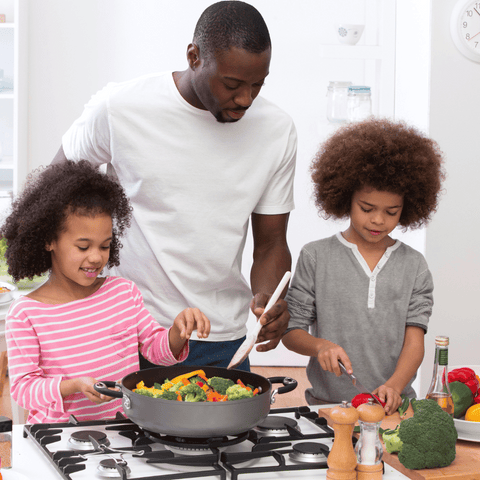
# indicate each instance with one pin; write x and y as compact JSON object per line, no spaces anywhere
{"x":98,"y":336}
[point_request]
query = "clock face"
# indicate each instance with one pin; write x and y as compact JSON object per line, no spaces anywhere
{"x":465,"y":28}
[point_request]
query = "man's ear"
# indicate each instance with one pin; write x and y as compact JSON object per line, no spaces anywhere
{"x":193,"y":55}
{"x":48,"y":247}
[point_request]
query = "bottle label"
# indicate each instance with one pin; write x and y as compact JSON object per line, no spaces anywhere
{"x":443,"y":357}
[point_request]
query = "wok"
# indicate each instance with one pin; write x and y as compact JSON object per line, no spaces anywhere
{"x":195,"y":419}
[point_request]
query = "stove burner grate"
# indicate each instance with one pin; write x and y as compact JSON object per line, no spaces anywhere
{"x":113,"y":468}
{"x":196,"y":444}
{"x":276,"y":425}
{"x":80,"y":440}
{"x":309,"y":452}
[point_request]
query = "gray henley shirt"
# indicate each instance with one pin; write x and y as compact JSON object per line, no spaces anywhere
{"x":334,"y":295}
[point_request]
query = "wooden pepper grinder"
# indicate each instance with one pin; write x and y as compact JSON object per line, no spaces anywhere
{"x":342,"y":460}
{"x":369,"y":450}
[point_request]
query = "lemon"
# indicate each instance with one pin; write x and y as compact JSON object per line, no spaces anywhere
{"x":473,"y":413}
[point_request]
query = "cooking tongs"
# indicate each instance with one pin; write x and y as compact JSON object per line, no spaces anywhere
{"x":357,"y":384}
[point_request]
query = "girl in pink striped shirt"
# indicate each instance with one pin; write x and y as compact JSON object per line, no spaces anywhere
{"x":78,"y":328}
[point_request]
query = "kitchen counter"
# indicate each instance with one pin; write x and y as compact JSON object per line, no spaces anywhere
{"x":466,"y":465}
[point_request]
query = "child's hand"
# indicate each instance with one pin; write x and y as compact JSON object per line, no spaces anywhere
{"x":391,"y":398}
{"x":329,"y":354}
{"x":184,"y":324}
{"x":83,"y":385}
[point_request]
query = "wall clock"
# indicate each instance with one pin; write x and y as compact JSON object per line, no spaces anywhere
{"x":465,"y":28}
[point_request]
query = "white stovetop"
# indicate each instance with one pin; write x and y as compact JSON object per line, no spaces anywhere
{"x":30,"y":463}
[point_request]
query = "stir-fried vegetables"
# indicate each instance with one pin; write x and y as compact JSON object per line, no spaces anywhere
{"x":196,"y":387}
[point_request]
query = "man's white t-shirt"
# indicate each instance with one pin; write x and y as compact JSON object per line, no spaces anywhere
{"x":193,"y":183}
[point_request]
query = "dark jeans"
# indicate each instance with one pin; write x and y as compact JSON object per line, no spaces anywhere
{"x":213,"y":354}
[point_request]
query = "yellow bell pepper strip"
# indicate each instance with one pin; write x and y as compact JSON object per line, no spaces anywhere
{"x":187,"y":375}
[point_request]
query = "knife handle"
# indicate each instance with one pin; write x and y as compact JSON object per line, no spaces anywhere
{"x":344,"y":370}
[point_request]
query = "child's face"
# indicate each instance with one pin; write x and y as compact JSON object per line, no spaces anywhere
{"x":82,"y":249}
{"x":373,"y":215}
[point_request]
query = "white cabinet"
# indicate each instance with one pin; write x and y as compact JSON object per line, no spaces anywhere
{"x":13,"y":99}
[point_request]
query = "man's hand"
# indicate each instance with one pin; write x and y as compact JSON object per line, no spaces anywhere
{"x":275,"y":321}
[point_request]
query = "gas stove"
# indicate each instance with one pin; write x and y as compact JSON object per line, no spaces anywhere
{"x":288,"y":443}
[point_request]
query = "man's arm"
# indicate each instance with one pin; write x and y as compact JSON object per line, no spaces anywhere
{"x":60,"y":156}
{"x":271,"y":259}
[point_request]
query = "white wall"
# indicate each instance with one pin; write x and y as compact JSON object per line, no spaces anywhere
{"x":77,"y":46}
{"x":452,"y":238}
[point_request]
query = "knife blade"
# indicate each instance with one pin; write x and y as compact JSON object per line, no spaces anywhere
{"x":357,"y":384}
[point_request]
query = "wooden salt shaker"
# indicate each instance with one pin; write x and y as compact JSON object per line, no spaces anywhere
{"x":371,"y":413}
{"x":342,"y":460}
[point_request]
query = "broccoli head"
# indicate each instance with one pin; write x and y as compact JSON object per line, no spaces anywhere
{"x":428,"y":437}
{"x":176,"y":387}
{"x":392,"y":441}
{"x":237,"y":392}
{"x":145,"y":391}
{"x":193,"y":393}
{"x":167,"y":395}
{"x":196,"y":379}
{"x":220,"y":384}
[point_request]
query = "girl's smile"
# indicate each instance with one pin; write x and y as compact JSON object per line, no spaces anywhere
{"x":81,"y":251}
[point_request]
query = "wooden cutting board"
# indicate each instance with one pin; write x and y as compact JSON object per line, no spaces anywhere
{"x":466,"y":465}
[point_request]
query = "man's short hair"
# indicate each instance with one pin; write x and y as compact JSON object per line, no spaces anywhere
{"x":228,"y":24}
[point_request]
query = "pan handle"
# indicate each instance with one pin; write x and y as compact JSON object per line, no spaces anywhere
{"x":289,"y":384}
{"x":103,"y":388}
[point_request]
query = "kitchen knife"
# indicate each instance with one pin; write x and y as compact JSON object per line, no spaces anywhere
{"x":357,"y":384}
{"x":247,"y":345}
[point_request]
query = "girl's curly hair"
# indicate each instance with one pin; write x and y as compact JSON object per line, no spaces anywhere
{"x":382,"y":154}
{"x":39,"y":213}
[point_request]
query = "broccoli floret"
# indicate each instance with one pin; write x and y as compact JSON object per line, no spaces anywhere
{"x":428,"y":437}
{"x":144,"y":391}
{"x":196,"y":379}
{"x":392,"y":441}
{"x":176,"y":387}
{"x":220,"y":384}
{"x":193,"y":393}
{"x":167,"y":395}
{"x":237,"y":392}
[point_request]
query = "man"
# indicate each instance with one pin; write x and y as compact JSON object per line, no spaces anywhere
{"x":199,"y":158}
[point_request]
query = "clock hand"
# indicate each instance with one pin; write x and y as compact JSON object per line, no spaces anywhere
{"x":471,"y":38}
{"x":476,"y":11}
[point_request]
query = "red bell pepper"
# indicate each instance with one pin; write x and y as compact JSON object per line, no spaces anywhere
{"x":357,"y":400}
{"x":467,"y":376}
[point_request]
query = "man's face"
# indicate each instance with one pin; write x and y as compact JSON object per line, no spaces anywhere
{"x":228,"y":84}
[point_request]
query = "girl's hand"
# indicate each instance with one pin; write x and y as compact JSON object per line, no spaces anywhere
{"x":329,"y":354}
{"x":391,"y":398}
{"x":184,"y":324}
{"x":83,"y":385}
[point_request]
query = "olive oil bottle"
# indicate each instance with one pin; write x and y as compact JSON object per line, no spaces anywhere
{"x":439,"y":390}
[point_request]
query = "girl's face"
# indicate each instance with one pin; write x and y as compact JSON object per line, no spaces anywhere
{"x":82,"y":249}
{"x":373,"y":215}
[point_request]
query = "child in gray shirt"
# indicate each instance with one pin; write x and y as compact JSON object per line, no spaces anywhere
{"x":360,"y":296}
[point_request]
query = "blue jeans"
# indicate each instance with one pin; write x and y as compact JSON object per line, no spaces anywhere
{"x":213,"y":354}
